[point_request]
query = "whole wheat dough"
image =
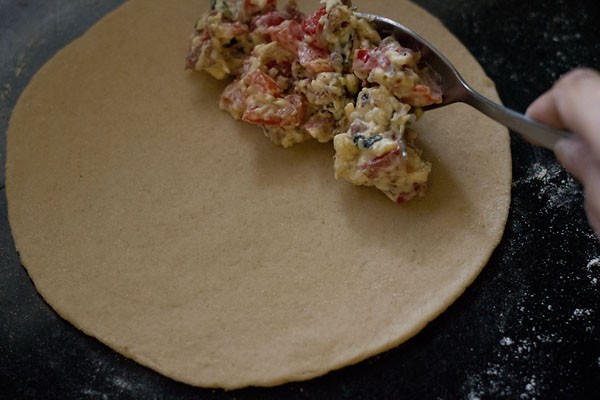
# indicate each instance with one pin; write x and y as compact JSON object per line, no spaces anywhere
{"x":187,"y":241}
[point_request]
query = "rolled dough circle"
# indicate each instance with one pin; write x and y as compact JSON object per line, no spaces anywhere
{"x":185,"y":240}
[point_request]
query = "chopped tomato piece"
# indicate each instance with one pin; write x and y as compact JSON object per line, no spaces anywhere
{"x":314,"y":59}
{"x":233,"y":99}
{"x":283,"y":68}
{"x":319,"y":123}
{"x":311,"y":25}
{"x":288,"y":111}
{"x":201,"y":39}
{"x":423,"y":95}
{"x":288,"y":34}
{"x":234,"y":29}
{"x":314,"y":29}
{"x":192,"y":58}
{"x":319,"y":127}
{"x":427,"y":92}
{"x":259,"y":81}
{"x":363,"y":56}
{"x":405,"y":196}
{"x":367,"y":60}
{"x":267,"y":20}
{"x":374,"y":166}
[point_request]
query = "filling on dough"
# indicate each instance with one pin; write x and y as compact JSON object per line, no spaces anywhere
{"x":327,"y":76}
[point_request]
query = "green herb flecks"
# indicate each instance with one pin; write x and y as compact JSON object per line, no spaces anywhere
{"x":220,"y":6}
{"x":366,"y":142}
{"x":226,"y":7}
{"x":346,"y":50}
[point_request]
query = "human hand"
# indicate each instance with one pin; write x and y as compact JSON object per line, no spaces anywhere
{"x":573,"y":103}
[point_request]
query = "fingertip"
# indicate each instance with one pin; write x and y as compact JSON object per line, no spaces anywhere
{"x":544,"y":110}
{"x":578,"y":75}
{"x":561,"y":106}
{"x":538,"y":104}
{"x":532,"y":110}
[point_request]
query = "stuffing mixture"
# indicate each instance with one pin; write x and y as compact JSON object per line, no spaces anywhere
{"x":328,"y":76}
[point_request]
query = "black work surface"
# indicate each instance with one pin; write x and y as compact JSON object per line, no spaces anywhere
{"x":527,"y":328}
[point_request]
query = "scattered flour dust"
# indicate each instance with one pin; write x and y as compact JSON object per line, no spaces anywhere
{"x":499,"y":377}
{"x":506,"y":341}
{"x":114,"y":382}
{"x":580,"y":313}
{"x":556,"y":188}
{"x":499,"y":380}
{"x":529,"y":389}
{"x":592,"y":270}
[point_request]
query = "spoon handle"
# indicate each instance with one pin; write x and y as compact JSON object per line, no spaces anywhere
{"x":536,"y":132}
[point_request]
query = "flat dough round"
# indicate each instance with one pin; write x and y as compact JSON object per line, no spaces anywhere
{"x":187,"y":241}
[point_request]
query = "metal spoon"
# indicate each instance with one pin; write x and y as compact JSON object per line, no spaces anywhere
{"x":455,"y":89}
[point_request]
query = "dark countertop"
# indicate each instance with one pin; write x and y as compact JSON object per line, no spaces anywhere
{"x":529,"y":327}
